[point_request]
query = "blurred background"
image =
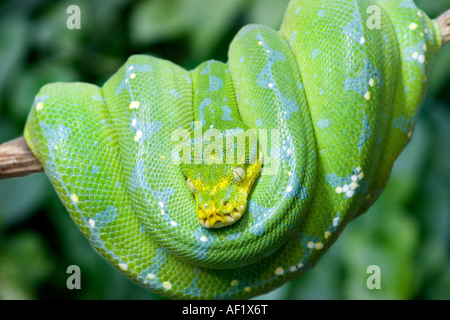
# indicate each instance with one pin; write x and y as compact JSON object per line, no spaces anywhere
{"x":406,"y":233}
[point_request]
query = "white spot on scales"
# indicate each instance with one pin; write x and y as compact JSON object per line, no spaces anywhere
{"x":123,"y":266}
{"x":279,"y":271}
{"x":134,"y":104}
{"x":74,"y":198}
{"x":138,"y":135}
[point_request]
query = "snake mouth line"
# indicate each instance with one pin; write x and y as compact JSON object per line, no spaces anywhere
{"x":212,"y":219}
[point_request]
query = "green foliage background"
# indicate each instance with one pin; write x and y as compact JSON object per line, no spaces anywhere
{"x":406,"y":233}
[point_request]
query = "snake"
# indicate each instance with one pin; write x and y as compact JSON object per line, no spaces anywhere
{"x":231,"y":179}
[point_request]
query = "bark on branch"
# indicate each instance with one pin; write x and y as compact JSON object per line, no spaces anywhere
{"x":17,"y":160}
{"x":444,"y":24}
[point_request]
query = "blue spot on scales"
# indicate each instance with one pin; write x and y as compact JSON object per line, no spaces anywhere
{"x":101,"y":219}
{"x":365,"y":133}
{"x":206,"y":102}
{"x":175,"y":93}
{"x":150,"y":274}
{"x":266,"y":79}
{"x":207,"y":69}
{"x":407,"y":4}
{"x":125,"y":83}
{"x":360,"y":84}
{"x":323,"y":123}
{"x":354,"y":29}
{"x":138,"y":180}
{"x":215,"y":83}
{"x":226,"y":113}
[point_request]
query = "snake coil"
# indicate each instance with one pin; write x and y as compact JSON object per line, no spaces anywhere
{"x":343,"y":95}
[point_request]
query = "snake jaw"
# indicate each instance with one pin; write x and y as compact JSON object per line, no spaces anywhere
{"x":210,"y":216}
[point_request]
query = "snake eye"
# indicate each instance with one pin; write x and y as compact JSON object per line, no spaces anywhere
{"x":239,"y":174}
{"x":190,"y":185}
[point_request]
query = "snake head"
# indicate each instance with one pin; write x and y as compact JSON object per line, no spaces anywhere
{"x":221,"y":191}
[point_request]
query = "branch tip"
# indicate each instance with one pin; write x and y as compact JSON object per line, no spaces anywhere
{"x":17,"y":160}
{"x":443,"y":22}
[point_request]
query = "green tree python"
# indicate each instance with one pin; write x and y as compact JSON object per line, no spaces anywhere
{"x":229,"y":180}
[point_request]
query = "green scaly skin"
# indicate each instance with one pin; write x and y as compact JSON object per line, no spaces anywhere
{"x":343,"y":98}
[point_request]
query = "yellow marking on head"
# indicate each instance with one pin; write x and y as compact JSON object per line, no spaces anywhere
{"x":198,"y":184}
{"x":214,"y":215}
{"x":224,"y":183}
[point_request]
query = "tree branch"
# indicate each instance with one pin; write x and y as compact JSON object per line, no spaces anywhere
{"x":17,"y":160}
{"x":444,"y":24}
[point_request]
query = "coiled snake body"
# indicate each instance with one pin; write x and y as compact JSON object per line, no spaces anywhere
{"x":333,"y":103}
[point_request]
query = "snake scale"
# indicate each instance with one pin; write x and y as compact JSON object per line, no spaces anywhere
{"x":139,"y":163}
